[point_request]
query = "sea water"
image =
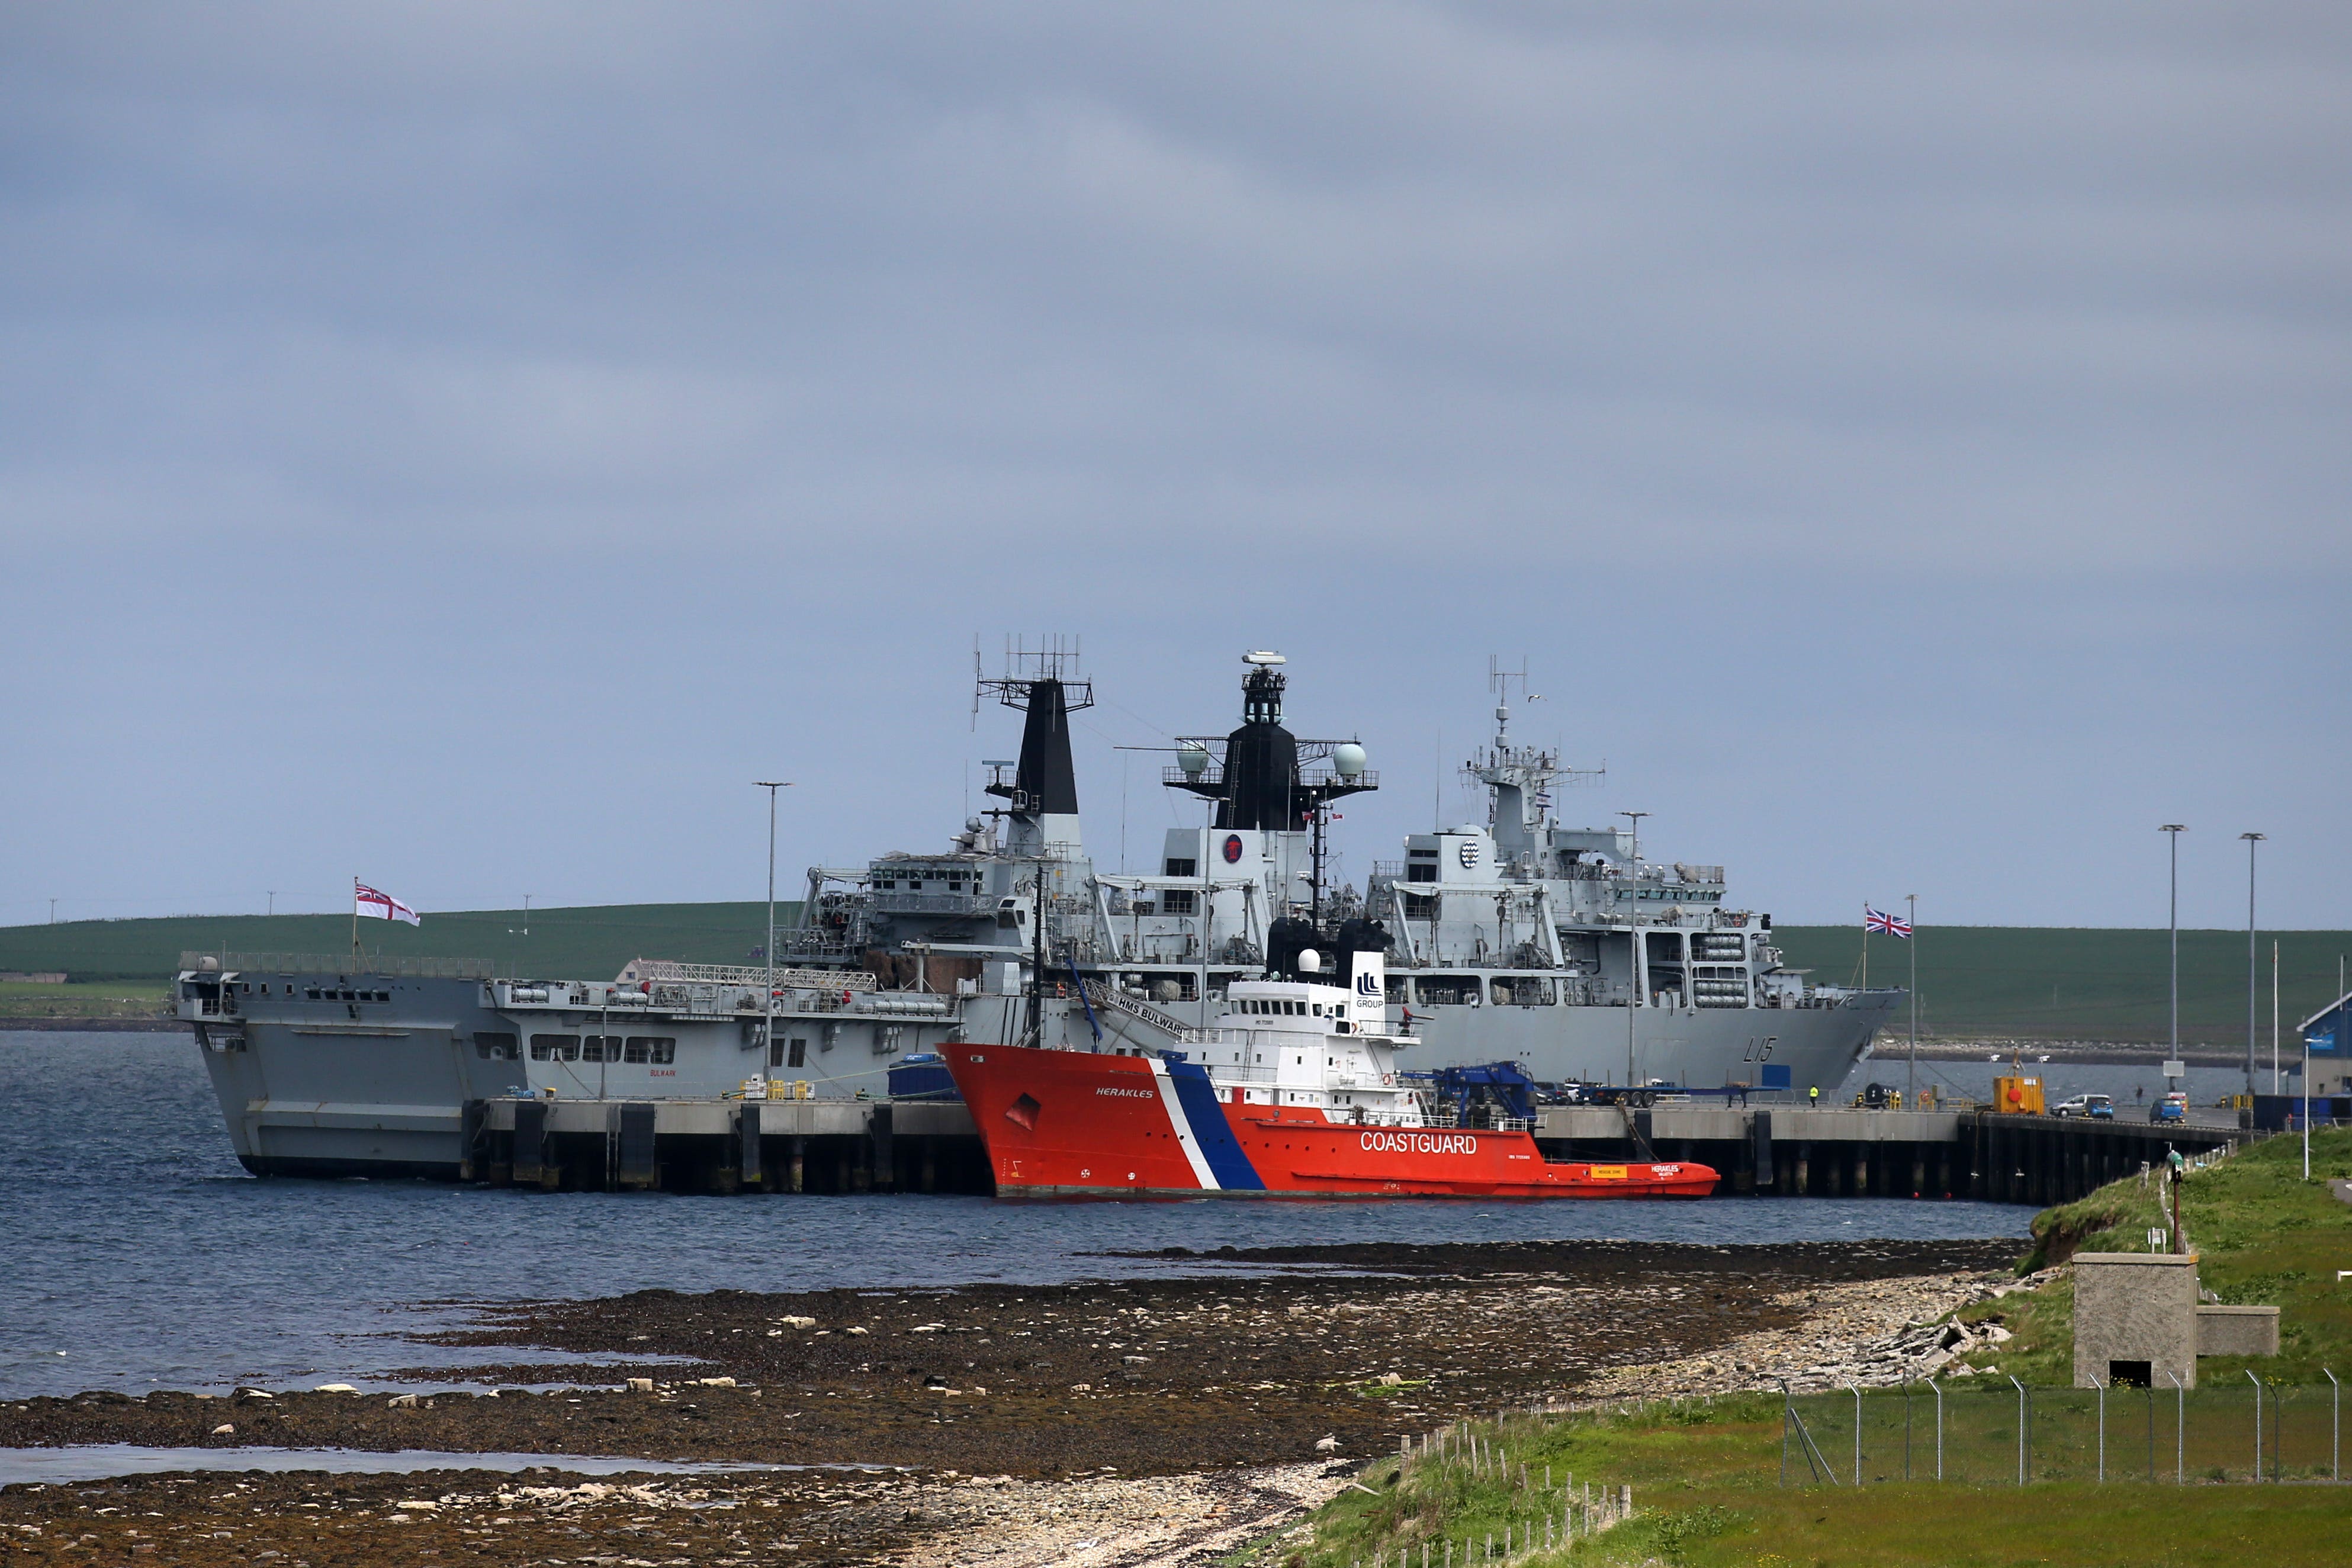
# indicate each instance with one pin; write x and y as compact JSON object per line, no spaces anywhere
{"x":135,"y":1253}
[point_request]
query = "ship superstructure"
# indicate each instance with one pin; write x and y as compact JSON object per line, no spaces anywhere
{"x":1566,"y":949}
{"x":1517,"y":939}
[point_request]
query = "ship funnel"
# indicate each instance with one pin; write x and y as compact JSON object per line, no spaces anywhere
{"x":1044,"y":685}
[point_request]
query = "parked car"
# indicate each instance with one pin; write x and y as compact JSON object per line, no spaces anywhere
{"x":2097,"y":1106}
{"x":2173,"y":1107}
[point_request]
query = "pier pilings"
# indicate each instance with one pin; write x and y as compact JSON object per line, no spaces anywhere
{"x":931,"y":1146}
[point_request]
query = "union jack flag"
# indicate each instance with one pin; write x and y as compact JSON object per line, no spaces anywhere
{"x":1879,"y":919}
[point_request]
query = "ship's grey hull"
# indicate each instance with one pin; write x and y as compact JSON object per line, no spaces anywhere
{"x":312,"y":1092}
{"x":1692,"y":1048}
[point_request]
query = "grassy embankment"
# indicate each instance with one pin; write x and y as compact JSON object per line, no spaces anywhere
{"x":107,"y":959}
{"x":1975,"y":981}
{"x":83,"y":999}
{"x":1706,"y":1473}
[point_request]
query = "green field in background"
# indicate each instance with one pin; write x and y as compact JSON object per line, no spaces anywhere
{"x":590,"y":943}
{"x":2070,"y":983}
{"x":1974,"y":980}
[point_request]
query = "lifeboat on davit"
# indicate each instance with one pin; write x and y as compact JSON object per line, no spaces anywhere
{"x":1293,"y":1091}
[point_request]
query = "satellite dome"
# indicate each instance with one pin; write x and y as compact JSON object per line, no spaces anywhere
{"x":971,"y":825}
{"x":1193,"y":758}
{"x":1310,"y":962}
{"x":1347,"y":761}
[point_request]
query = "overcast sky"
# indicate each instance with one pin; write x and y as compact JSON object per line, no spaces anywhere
{"x":466,"y":446}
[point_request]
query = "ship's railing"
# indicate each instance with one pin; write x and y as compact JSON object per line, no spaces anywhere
{"x":390,"y":967}
{"x":756,"y":975}
{"x":806,"y":942}
{"x":893,"y":902}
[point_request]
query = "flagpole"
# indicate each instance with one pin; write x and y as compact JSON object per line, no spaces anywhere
{"x":355,"y":925}
{"x":1866,"y":947}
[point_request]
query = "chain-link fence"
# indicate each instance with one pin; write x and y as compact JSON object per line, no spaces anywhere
{"x":1992,"y":1431}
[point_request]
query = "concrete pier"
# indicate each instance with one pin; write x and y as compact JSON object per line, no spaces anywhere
{"x":831,"y":1146}
{"x":1799,"y":1151}
{"x":726,"y":1145}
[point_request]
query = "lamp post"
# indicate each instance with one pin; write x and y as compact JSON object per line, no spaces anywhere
{"x":2173,"y":830}
{"x":768,"y":991}
{"x":1637,"y":980}
{"x":2251,"y":971}
{"x":1911,"y":1069}
{"x":1636,"y":816}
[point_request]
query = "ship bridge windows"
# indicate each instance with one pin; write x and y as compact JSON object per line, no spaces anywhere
{"x":1176,"y":867}
{"x":1395,"y":987}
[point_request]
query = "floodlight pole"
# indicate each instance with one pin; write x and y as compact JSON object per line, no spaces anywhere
{"x":2251,"y":840}
{"x":1911,"y":1069}
{"x":768,"y":991}
{"x":2173,"y":830}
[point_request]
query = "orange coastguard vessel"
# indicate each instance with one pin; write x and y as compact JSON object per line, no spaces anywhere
{"x":1295,"y":1091}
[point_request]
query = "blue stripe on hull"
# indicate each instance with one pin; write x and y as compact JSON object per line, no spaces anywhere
{"x":1197,"y":1097}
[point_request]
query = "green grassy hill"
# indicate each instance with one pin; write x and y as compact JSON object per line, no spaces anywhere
{"x":2067,"y":983}
{"x":1974,"y":980}
{"x":590,"y":943}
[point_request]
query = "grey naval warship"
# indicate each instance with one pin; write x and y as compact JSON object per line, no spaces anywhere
{"x":1518,"y":939}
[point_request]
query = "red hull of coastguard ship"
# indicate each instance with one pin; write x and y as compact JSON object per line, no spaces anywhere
{"x":1076,"y":1122}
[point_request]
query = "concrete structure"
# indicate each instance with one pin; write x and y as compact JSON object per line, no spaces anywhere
{"x":2135,"y":1319}
{"x":2237,"y":1330}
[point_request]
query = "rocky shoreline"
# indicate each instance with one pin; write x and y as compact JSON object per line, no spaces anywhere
{"x":1156,"y":1418}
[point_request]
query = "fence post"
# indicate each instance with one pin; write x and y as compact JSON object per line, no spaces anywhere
{"x":1856,"y":1392}
{"x":1906,"y":1428}
{"x":1937,"y":1389}
{"x":2103,"y":1433}
{"x":2258,"y":1424}
{"x":2179,"y":1430}
{"x":2336,"y":1430}
{"x":2020,"y":1426}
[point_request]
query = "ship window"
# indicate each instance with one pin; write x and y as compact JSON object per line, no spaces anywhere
{"x":1173,"y":902}
{"x":311,"y":993}
{"x":799,"y":1054}
{"x":1447,"y":989}
{"x":494,"y":1046}
{"x":662,"y":1049}
{"x":1419,"y":873}
{"x":1182,"y":869}
{"x":555,"y":1047}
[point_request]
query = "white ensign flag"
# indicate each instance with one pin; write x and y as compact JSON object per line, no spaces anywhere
{"x":381,"y":906}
